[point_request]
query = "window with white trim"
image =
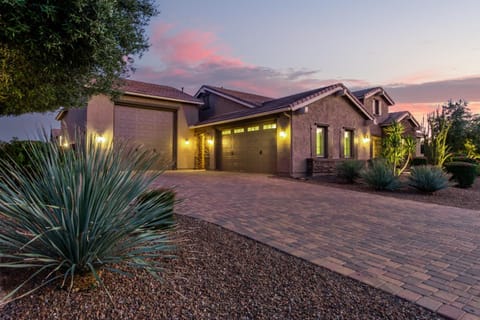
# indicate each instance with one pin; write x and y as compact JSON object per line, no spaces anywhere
{"x":348,"y":144}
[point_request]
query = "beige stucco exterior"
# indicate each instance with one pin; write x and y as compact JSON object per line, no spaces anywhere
{"x":98,"y":118}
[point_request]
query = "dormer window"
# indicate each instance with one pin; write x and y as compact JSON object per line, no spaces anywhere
{"x":377,"y":107}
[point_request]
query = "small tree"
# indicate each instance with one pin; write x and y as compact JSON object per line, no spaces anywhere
{"x":397,"y":149}
{"x":459,"y":116}
{"x":435,"y":133}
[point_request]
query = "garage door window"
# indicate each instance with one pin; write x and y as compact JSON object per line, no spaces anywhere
{"x":254,"y":128}
{"x":269,"y":126}
{"x":239,"y":130}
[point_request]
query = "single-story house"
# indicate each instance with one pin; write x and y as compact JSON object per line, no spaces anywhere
{"x":158,"y":117}
{"x":222,"y":129}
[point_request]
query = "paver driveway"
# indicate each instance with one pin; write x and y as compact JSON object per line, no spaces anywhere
{"x":425,"y":253}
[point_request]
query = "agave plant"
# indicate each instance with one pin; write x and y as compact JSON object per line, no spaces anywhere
{"x":380,"y":176}
{"x":428,"y":179}
{"x":77,"y":213}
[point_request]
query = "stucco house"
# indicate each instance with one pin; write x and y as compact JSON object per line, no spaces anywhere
{"x":158,"y":117}
{"x":222,"y":129}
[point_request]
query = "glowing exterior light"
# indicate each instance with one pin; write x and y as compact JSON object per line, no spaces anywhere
{"x":282,"y":134}
{"x":187,"y":142}
{"x":366,"y":139}
{"x":100,"y":139}
{"x":210,"y":141}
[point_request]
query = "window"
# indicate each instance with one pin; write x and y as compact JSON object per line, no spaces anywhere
{"x":254,"y":128}
{"x":348,"y":144}
{"x":320,"y":142}
{"x":225,"y":132}
{"x":238,"y":130}
{"x":269,"y":126}
{"x":377,"y":110}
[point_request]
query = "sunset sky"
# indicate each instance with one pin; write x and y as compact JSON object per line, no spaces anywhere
{"x":422,"y":52}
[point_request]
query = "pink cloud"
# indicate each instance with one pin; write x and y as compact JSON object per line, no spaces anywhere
{"x":189,"y":47}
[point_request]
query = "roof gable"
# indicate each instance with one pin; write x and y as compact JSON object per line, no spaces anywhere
{"x":288,"y":103}
{"x":369,"y":92}
{"x":399,"y":116}
{"x":244,"y":98}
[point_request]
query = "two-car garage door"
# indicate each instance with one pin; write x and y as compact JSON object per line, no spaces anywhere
{"x":151,"y":128}
{"x":248,"y":148}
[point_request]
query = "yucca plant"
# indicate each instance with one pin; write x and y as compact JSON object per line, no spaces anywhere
{"x":77,"y":213}
{"x":428,"y":179}
{"x":379,"y":176}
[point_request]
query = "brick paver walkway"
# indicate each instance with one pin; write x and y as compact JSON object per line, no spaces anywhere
{"x":425,"y":253}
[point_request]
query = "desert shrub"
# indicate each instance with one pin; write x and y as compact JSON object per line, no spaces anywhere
{"x":463,"y":173}
{"x":419,"y":161}
{"x":379,"y":176}
{"x":164,"y":199}
{"x":350,"y":169}
{"x":428,"y":179}
{"x":477,"y":169}
{"x":80,"y":215}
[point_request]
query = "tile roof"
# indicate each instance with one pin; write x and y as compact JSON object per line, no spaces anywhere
{"x":250,"y":98}
{"x":362,"y":94}
{"x":156,"y":90}
{"x":280,"y":105}
{"x":397,"y":117}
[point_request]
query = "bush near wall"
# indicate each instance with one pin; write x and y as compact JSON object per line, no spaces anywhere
{"x":350,"y":169}
{"x":419,"y":161}
{"x":162,"y":198}
{"x":464,"y":173}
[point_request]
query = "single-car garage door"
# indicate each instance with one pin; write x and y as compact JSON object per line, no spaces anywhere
{"x":151,"y":128}
{"x":249,"y":148}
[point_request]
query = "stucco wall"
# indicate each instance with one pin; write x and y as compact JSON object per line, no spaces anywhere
{"x":215,"y":105}
{"x":337,"y":114}
{"x":73,"y":123}
{"x":368,"y":103}
{"x":100,"y":116}
{"x":186,"y":115}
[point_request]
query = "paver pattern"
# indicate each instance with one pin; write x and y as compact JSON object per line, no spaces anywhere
{"x":425,"y":253}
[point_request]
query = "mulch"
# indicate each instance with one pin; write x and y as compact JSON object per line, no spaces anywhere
{"x":218,"y":274}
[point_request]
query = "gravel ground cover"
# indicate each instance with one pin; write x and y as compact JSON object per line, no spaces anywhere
{"x":219,"y":275}
{"x":468,"y":198}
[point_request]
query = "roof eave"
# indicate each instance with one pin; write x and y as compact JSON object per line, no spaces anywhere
{"x":251,"y":116}
{"x":223,"y":95}
{"x":161,"y":98}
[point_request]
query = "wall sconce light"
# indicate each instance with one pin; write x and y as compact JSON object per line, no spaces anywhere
{"x":282,"y":134}
{"x":100,"y":139}
{"x":187,"y":142}
{"x":65,"y":144}
{"x":366,"y":139}
{"x":210,"y":141}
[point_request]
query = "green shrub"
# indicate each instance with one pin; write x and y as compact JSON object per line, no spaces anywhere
{"x":428,"y":179}
{"x":464,"y":159}
{"x":17,"y":153}
{"x":419,"y":161}
{"x":477,"y":169}
{"x":379,"y":176}
{"x":463,"y":173}
{"x":350,"y":169}
{"x":80,"y":215}
{"x":164,"y":199}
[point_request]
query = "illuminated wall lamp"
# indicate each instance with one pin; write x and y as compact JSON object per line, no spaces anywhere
{"x":210,"y":141}
{"x":100,"y":139}
{"x":187,"y":142}
{"x":282,"y":134}
{"x":366,"y":139}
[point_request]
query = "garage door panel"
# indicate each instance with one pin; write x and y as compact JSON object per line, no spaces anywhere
{"x":153,"y":129}
{"x":249,"y":151}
